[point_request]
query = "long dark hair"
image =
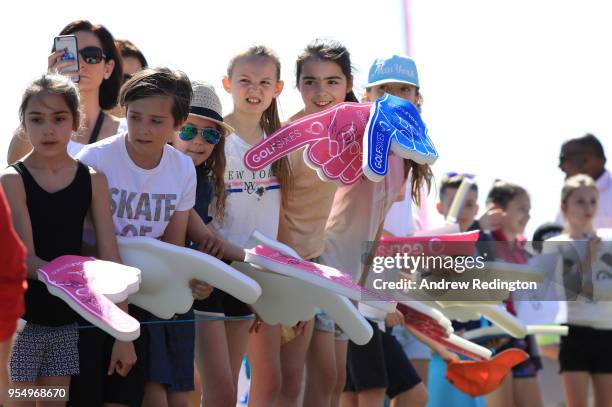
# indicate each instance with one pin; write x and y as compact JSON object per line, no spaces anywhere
{"x":270,"y":120}
{"x":214,"y":167}
{"x":328,"y":50}
{"x":56,"y":85}
{"x":109,"y":89}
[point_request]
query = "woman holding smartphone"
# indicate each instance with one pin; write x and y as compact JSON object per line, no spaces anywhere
{"x":99,"y":79}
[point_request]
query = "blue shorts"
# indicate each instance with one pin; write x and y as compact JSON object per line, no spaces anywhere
{"x":530,"y":367}
{"x":171,"y":352}
{"x":412,"y":347}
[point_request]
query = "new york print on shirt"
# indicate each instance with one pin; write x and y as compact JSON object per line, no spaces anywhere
{"x":251,"y":182}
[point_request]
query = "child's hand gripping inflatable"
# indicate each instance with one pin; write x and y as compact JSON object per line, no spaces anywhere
{"x":168,"y":269}
{"x":332,"y":139}
{"x":433,"y":324}
{"x":91,"y":287}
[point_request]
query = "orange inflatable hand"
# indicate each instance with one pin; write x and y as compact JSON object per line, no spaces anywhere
{"x":480,"y":378}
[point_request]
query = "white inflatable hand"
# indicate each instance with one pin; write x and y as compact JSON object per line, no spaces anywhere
{"x":289,"y":299}
{"x":493,"y":332}
{"x":166,"y":272}
{"x":286,"y":300}
{"x":279,"y":261}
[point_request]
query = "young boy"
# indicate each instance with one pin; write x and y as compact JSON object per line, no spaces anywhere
{"x":152,"y":188}
{"x":466,"y":219}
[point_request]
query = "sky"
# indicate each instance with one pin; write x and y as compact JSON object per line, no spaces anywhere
{"x":504,"y":82}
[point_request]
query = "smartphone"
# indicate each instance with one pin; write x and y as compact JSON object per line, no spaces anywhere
{"x":68,"y":43}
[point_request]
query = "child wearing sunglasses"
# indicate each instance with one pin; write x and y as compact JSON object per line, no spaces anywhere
{"x":202,"y":138}
{"x":152,"y":188}
{"x":100,"y":77}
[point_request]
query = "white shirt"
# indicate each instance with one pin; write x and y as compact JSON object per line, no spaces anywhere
{"x":253,"y":197}
{"x":356,"y":216}
{"x":400,"y":219}
{"x":142,"y":201}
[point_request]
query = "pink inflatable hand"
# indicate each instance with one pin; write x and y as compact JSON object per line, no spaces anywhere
{"x":84,"y":282}
{"x":316,"y":274}
{"x":431,"y":323}
{"x":333,"y":140}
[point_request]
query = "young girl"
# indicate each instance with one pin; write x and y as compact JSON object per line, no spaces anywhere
{"x":202,"y":138}
{"x":522,"y":387}
{"x":142,"y":168}
{"x":357,"y":214}
{"x":100,"y":77}
{"x":585,"y":352}
{"x":50,"y":195}
{"x":253,"y":203}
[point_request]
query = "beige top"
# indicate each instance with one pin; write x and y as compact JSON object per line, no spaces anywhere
{"x":303,"y":217}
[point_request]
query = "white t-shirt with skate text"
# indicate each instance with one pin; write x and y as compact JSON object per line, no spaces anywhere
{"x":142,"y":201}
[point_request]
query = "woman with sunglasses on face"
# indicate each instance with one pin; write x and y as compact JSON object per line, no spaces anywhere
{"x":100,"y":77}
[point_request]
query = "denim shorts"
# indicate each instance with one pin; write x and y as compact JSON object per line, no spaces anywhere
{"x":324,"y":323}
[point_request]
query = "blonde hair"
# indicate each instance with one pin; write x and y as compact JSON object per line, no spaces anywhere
{"x":270,"y":120}
{"x":575,"y":182}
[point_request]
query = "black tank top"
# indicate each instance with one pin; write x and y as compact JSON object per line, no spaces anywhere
{"x":57,"y":229}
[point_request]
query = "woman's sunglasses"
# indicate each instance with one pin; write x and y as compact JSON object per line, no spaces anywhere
{"x":92,"y":55}
{"x":210,"y":135}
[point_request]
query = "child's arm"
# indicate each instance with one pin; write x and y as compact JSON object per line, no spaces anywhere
{"x":586,"y":265}
{"x":5,"y":350}
{"x":444,"y":353}
{"x":491,"y":219}
{"x":102,"y":219}
{"x":209,"y":241}
{"x":176,"y":233}
{"x":19,"y":146}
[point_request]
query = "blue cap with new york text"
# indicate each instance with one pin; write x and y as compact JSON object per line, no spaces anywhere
{"x":396,"y":69}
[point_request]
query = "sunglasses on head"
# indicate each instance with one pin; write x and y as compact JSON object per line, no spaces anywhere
{"x":92,"y":55}
{"x":454,"y":174}
{"x":209,"y":134}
